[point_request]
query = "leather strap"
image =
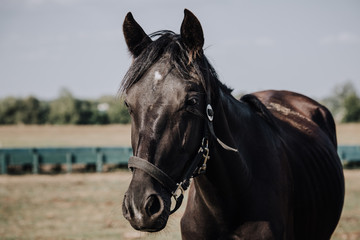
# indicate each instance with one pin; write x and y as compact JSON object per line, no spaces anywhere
{"x":153,"y":171}
{"x":196,"y":168}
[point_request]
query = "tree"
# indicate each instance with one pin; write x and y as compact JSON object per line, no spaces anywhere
{"x":33,"y":111}
{"x":117,"y":111}
{"x":352,"y":108}
{"x":23,"y":111}
{"x":68,"y":110}
{"x":342,"y":102}
{"x":9,"y":110}
{"x":64,"y":110}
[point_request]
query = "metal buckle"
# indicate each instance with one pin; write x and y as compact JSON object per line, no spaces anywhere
{"x":176,"y":194}
{"x":206,"y":152}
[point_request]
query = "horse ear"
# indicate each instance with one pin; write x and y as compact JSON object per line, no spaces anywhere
{"x":136,"y":39}
{"x":192,"y":33}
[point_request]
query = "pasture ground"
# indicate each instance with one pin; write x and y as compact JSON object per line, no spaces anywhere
{"x":70,"y":206}
{"x":88,"y":206}
{"x":104,"y":135}
{"x":64,"y":135}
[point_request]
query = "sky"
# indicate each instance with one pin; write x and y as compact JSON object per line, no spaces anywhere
{"x":308,"y":46}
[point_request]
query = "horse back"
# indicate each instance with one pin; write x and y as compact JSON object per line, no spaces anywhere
{"x":295,"y":108}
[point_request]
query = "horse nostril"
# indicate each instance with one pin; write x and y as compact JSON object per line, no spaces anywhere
{"x":154,"y":205}
{"x":127,"y":212}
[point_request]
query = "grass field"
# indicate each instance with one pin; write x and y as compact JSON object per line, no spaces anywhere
{"x":348,"y":134}
{"x":107,"y":135}
{"x":69,"y":206}
{"x":64,"y":135}
{"x":88,"y":206}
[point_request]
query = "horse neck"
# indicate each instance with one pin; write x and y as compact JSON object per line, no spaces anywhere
{"x":227,"y":170}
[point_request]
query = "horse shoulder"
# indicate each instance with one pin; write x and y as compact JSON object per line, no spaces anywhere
{"x":197,"y":222}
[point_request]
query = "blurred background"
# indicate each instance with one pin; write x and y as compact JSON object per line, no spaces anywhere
{"x":61,"y":64}
{"x":75,"y":48}
{"x":305,"y":46}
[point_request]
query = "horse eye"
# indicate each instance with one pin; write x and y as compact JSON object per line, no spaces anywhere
{"x":127,"y":106}
{"x":192,"y":101}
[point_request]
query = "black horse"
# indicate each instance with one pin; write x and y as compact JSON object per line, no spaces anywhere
{"x":263,"y":167}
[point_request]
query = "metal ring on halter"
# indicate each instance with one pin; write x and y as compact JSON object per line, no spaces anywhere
{"x":209,"y":112}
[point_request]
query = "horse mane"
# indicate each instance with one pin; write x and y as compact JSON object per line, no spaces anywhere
{"x":259,"y":108}
{"x":168,"y":44}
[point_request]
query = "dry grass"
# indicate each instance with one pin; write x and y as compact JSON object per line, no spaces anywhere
{"x":349,"y":226}
{"x":64,"y":135}
{"x":348,"y":134}
{"x":76,"y":206}
{"x":88,"y":206}
{"x":106,"y":135}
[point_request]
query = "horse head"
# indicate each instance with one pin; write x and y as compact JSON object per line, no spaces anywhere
{"x":165,"y":93}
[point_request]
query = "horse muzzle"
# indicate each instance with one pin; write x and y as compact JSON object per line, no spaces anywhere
{"x":144,"y":205}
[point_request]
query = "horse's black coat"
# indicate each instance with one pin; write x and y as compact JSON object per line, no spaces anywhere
{"x":285,"y":180}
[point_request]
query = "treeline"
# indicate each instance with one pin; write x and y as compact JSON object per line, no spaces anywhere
{"x":343,"y":102}
{"x":66,"y":109}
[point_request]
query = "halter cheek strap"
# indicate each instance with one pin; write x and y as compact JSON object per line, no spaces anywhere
{"x":210,"y":116}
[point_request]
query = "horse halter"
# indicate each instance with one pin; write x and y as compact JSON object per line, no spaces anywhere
{"x":196,"y":168}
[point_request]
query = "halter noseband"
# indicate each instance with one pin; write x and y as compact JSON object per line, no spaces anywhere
{"x":177,"y":189}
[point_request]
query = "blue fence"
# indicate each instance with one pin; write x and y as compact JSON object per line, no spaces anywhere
{"x":69,"y":156}
{"x":349,"y":155}
{"x":35,"y":157}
